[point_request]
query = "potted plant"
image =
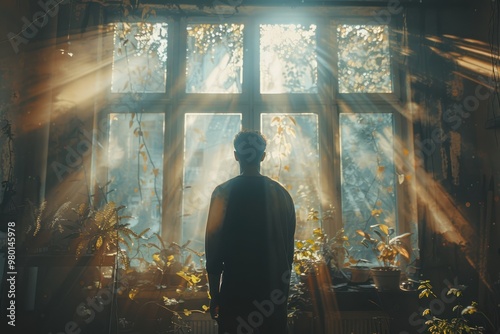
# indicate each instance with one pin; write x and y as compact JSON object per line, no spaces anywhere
{"x":336,"y":255}
{"x":308,"y":254}
{"x":360,"y":273}
{"x":387,"y":249}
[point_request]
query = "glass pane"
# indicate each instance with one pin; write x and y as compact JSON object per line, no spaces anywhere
{"x":368,"y":176}
{"x":214,"y":58}
{"x":135,"y":164}
{"x":208,"y":161}
{"x":364,"y":59}
{"x":293,"y":160}
{"x":139,"y":58}
{"x":288,"y":59}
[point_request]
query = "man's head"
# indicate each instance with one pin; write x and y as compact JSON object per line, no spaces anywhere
{"x":249,"y":147}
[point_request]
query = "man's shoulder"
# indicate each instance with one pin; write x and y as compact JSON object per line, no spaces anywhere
{"x":277,"y":186}
{"x":274,"y":182}
{"x":222,"y":190}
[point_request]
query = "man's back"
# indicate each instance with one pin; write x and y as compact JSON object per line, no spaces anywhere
{"x":257,"y":235}
{"x":254,"y":246}
{"x":249,"y":246}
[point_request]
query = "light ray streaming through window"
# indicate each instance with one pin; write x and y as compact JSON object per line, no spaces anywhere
{"x":208,"y":161}
{"x":293,"y":160}
{"x":135,"y":167}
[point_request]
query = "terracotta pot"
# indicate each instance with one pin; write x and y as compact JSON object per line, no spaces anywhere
{"x":386,"y":278}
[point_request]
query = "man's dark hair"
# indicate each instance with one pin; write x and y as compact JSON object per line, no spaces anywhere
{"x":249,"y":146}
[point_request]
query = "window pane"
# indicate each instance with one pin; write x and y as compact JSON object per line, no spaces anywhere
{"x":288,"y":59}
{"x":139,"y":58}
{"x":208,"y":161}
{"x":293,"y":160}
{"x":364,"y":59}
{"x":368,"y":176}
{"x":214,"y":58}
{"x":135,"y":164}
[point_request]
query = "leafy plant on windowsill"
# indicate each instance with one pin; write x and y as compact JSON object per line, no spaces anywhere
{"x":385,"y":247}
{"x":97,"y":231}
{"x":336,"y":250}
{"x":457,"y":324}
{"x":166,"y":279}
{"x":308,"y":253}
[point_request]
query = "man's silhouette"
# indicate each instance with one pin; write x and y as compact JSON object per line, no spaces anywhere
{"x":249,"y":246}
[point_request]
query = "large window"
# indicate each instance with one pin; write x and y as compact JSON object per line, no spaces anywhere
{"x":322,"y":92}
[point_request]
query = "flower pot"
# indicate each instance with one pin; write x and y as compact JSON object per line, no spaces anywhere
{"x":359,"y":274}
{"x":386,"y":278}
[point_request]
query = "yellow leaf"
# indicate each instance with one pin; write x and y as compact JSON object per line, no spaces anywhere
{"x":155,"y":171}
{"x":195,"y":279}
{"x":132,"y":293}
{"x":183,"y":275}
{"x":318,"y":232}
{"x":156,"y":257}
{"x":98,"y":243}
{"x":363,"y":234}
{"x":384,"y":228}
{"x":187,"y":312}
{"x":205,"y":308}
{"x":170,"y":258}
{"x":145,"y":167}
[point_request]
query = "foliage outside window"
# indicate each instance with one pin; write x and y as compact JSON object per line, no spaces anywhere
{"x":288,"y":59}
{"x":135,"y":167}
{"x":293,"y":160}
{"x":214,"y":58}
{"x":368,"y":175}
{"x":139,"y":58}
{"x":364,"y":59}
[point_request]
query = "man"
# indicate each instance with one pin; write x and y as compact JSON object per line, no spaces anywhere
{"x":249,"y":246}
